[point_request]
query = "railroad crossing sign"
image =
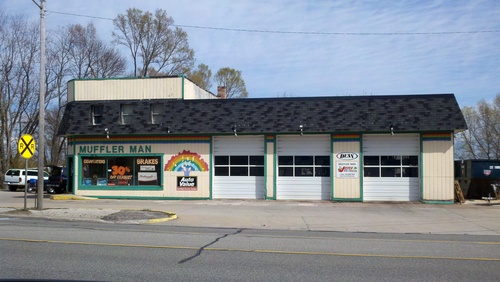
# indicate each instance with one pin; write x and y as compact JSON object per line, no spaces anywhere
{"x":26,"y":146}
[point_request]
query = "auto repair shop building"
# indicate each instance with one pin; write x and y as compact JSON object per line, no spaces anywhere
{"x":165,"y":138}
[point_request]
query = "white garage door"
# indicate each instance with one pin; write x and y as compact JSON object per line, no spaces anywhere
{"x":238,"y":167}
{"x":391,"y":167}
{"x":303,"y":167}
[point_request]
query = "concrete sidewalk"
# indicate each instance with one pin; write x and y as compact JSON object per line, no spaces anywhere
{"x":473,"y":217}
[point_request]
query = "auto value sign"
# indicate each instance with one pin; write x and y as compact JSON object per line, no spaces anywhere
{"x":187,"y":183}
{"x":347,"y":165}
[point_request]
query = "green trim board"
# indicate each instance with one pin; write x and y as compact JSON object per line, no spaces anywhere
{"x":438,"y":202}
{"x":436,"y":136}
{"x":275,"y":165}
{"x":152,"y":139}
{"x":351,"y":137}
{"x":124,"y":78}
{"x":265,"y":168}
{"x":346,"y":200}
{"x":270,"y":139}
{"x":73,"y":90}
{"x":344,"y":138}
{"x":119,"y":188}
{"x":146,"y":198}
{"x":361,"y":169}
{"x":332,"y":168}
{"x":211,"y":164}
{"x":421,"y":169}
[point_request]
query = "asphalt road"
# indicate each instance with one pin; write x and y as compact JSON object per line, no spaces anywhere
{"x":44,"y":249}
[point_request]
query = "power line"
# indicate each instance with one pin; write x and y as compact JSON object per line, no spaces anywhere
{"x":338,"y":33}
{"x":304,"y":32}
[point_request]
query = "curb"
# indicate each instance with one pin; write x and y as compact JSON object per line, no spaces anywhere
{"x":70,"y":197}
{"x":171,"y":216}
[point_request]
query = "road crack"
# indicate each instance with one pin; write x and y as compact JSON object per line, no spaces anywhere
{"x":200,"y":250}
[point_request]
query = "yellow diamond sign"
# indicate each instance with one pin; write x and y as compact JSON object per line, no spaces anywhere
{"x":26,"y":146}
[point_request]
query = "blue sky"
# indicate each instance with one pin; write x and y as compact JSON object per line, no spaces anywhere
{"x":326,"y":48}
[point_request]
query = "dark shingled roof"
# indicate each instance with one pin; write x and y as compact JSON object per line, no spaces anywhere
{"x":407,"y":113}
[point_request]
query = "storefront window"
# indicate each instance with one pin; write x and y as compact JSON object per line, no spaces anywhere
{"x":121,"y":171}
{"x":94,"y":171}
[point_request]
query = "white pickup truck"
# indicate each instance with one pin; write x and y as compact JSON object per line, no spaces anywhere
{"x":16,"y":178}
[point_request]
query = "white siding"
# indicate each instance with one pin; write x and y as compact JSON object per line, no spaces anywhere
{"x":303,"y":188}
{"x":238,"y":187}
{"x":391,"y":188}
{"x":192,"y":91}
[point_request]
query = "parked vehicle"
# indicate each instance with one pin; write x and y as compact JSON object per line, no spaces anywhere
{"x":16,"y":178}
{"x":58,"y":180}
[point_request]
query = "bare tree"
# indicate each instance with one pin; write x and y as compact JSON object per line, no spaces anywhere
{"x":90,"y":57}
{"x":156,"y":47}
{"x":19,"y":103}
{"x":234,"y":83}
{"x":73,"y":52}
{"x":482,"y":139}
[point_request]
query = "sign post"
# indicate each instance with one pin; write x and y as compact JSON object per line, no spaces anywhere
{"x":26,"y":148}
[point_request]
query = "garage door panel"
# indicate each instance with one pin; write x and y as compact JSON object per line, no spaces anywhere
{"x":399,"y":144}
{"x":303,"y":145}
{"x":240,"y":145}
{"x":297,"y":149}
{"x":304,"y":188}
{"x":390,"y":189}
{"x":402,"y":187}
{"x":240,"y":187}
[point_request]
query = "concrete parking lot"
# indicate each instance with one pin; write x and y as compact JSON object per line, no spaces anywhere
{"x":473,"y":217}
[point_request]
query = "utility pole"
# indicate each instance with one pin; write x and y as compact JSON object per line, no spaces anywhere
{"x":41,"y":117}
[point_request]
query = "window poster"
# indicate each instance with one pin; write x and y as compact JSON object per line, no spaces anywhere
{"x":121,"y":171}
{"x":347,"y":165}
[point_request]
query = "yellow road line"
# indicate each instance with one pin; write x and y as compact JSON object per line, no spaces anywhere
{"x":249,"y":250}
{"x":374,"y":239}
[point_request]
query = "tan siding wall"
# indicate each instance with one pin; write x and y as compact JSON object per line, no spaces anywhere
{"x":121,"y":89}
{"x":270,"y":167}
{"x":438,"y":170}
{"x":346,"y":188}
{"x":169,"y":177}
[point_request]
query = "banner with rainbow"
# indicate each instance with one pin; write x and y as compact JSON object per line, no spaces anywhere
{"x":186,"y":161}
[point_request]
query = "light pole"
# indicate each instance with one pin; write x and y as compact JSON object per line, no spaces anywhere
{"x":41,"y":118}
